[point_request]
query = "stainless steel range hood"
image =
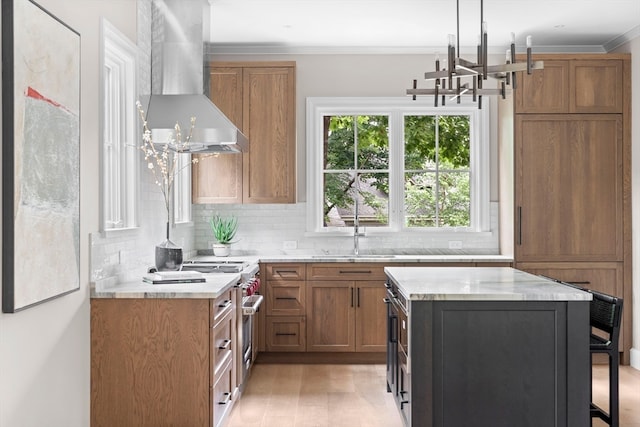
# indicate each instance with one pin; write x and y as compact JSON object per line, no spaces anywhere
{"x":213,"y":131}
{"x":177,"y":84}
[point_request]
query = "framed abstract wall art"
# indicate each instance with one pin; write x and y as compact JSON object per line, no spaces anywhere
{"x":40,"y":156}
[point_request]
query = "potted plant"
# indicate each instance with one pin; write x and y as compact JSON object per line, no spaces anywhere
{"x":224,"y":230}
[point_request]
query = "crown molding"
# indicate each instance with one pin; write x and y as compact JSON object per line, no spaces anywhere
{"x":622,"y":39}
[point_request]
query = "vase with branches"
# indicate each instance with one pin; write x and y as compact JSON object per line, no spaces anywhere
{"x":161,"y":160}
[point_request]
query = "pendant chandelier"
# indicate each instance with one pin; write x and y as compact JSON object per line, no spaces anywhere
{"x":449,"y":80}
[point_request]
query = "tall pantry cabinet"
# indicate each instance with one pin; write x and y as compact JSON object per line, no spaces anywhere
{"x":573,"y":174}
{"x":259,"y":98}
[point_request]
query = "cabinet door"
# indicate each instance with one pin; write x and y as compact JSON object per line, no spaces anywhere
{"x":544,"y":91}
{"x":285,"y":298}
{"x":269,"y":171}
{"x":371,"y":317}
{"x":330,"y":316}
{"x":218,"y":178}
{"x":285,"y":333}
{"x":596,"y":86}
{"x":569,"y":188}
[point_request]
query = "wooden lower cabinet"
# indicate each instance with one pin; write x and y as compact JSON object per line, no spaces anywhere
{"x":371,"y":317}
{"x":346,"y":316}
{"x":161,"y":362}
{"x":331,"y":316}
{"x":285,"y":333}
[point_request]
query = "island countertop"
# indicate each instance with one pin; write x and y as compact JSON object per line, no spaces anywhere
{"x":479,"y":284}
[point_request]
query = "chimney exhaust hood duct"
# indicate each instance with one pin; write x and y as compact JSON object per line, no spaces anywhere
{"x":177,"y":84}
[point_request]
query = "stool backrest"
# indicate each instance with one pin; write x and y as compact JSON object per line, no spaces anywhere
{"x":606,"y":313}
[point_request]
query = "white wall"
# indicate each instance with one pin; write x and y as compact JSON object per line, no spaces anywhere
{"x":633,"y":47}
{"x":44,"y":350}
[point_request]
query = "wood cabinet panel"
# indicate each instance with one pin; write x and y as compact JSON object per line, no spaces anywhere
{"x":287,"y":271}
{"x":218,"y":178}
{"x":544,"y":91}
{"x":269,"y":117}
{"x":150,"y":362}
{"x":596,"y":86}
{"x":285,"y":298}
{"x":285,"y":333}
{"x":222,"y":395}
{"x":259,"y":98}
{"x":223,"y":337}
{"x":569,"y":188}
{"x":345,"y":271}
{"x":330,"y":316}
{"x":371,"y":317}
{"x":572,"y":86}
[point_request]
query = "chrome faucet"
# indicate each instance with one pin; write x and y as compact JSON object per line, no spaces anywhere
{"x":356,"y":219}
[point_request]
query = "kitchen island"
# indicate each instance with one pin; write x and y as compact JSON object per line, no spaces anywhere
{"x":487,"y":347}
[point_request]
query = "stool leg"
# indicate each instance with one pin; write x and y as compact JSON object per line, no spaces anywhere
{"x":614,"y":404}
{"x":590,"y":387}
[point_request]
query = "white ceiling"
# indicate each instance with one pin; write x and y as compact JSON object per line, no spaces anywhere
{"x":300,"y":26}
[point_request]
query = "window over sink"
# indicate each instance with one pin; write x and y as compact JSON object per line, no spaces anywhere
{"x":394,"y":164}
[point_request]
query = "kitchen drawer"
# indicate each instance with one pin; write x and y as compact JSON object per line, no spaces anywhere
{"x":221,"y":305}
{"x":222,"y":394}
{"x":222,"y":343}
{"x":285,"y":333}
{"x":285,"y":298}
{"x":290,"y":271}
{"x":346,"y":271}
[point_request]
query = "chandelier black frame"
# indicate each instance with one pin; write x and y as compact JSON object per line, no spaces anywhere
{"x":458,"y":68}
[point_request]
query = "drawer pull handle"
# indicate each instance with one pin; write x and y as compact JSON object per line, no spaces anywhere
{"x":225,"y":345}
{"x":226,"y":303}
{"x":286,"y":272}
{"x":355,"y":271}
{"x":584,"y":282}
{"x":286,"y":334}
{"x":287,"y":298}
{"x":227,"y":399}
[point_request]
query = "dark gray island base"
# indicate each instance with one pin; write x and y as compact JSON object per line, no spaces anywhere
{"x":487,"y":347}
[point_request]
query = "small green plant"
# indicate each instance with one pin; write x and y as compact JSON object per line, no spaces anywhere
{"x":224,"y":229}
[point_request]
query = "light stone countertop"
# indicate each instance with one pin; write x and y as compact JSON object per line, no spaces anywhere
{"x":382,"y":258}
{"x":215,"y":285}
{"x":479,"y":284}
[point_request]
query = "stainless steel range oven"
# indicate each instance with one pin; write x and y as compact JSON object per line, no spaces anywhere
{"x":251,"y":301}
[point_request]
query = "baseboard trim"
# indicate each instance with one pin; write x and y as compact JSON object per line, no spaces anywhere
{"x":635,"y":358}
{"x":321,"y":358}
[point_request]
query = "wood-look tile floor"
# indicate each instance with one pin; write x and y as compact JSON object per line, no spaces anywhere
{"x":356,"y":396}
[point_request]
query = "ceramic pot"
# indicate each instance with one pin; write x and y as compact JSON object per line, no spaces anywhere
{"x":220,"y":249}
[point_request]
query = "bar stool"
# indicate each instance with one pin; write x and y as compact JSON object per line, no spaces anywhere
{"x":605,"y":316}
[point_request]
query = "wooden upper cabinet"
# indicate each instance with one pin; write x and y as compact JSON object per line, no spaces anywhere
{"x":269,"y":118}
{"x":259,"y":98}
{"x":571,"y":86}
{"x":218,"y":178}
{"x":569,"y":187}
{"x":544,"y":91}
{"x":596,"y":87}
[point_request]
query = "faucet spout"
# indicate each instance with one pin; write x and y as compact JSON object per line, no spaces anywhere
{"x":356,"y":219}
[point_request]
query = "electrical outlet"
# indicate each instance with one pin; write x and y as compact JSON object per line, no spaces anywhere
{"x":455,"y":244}
{"x":290,"y":245}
